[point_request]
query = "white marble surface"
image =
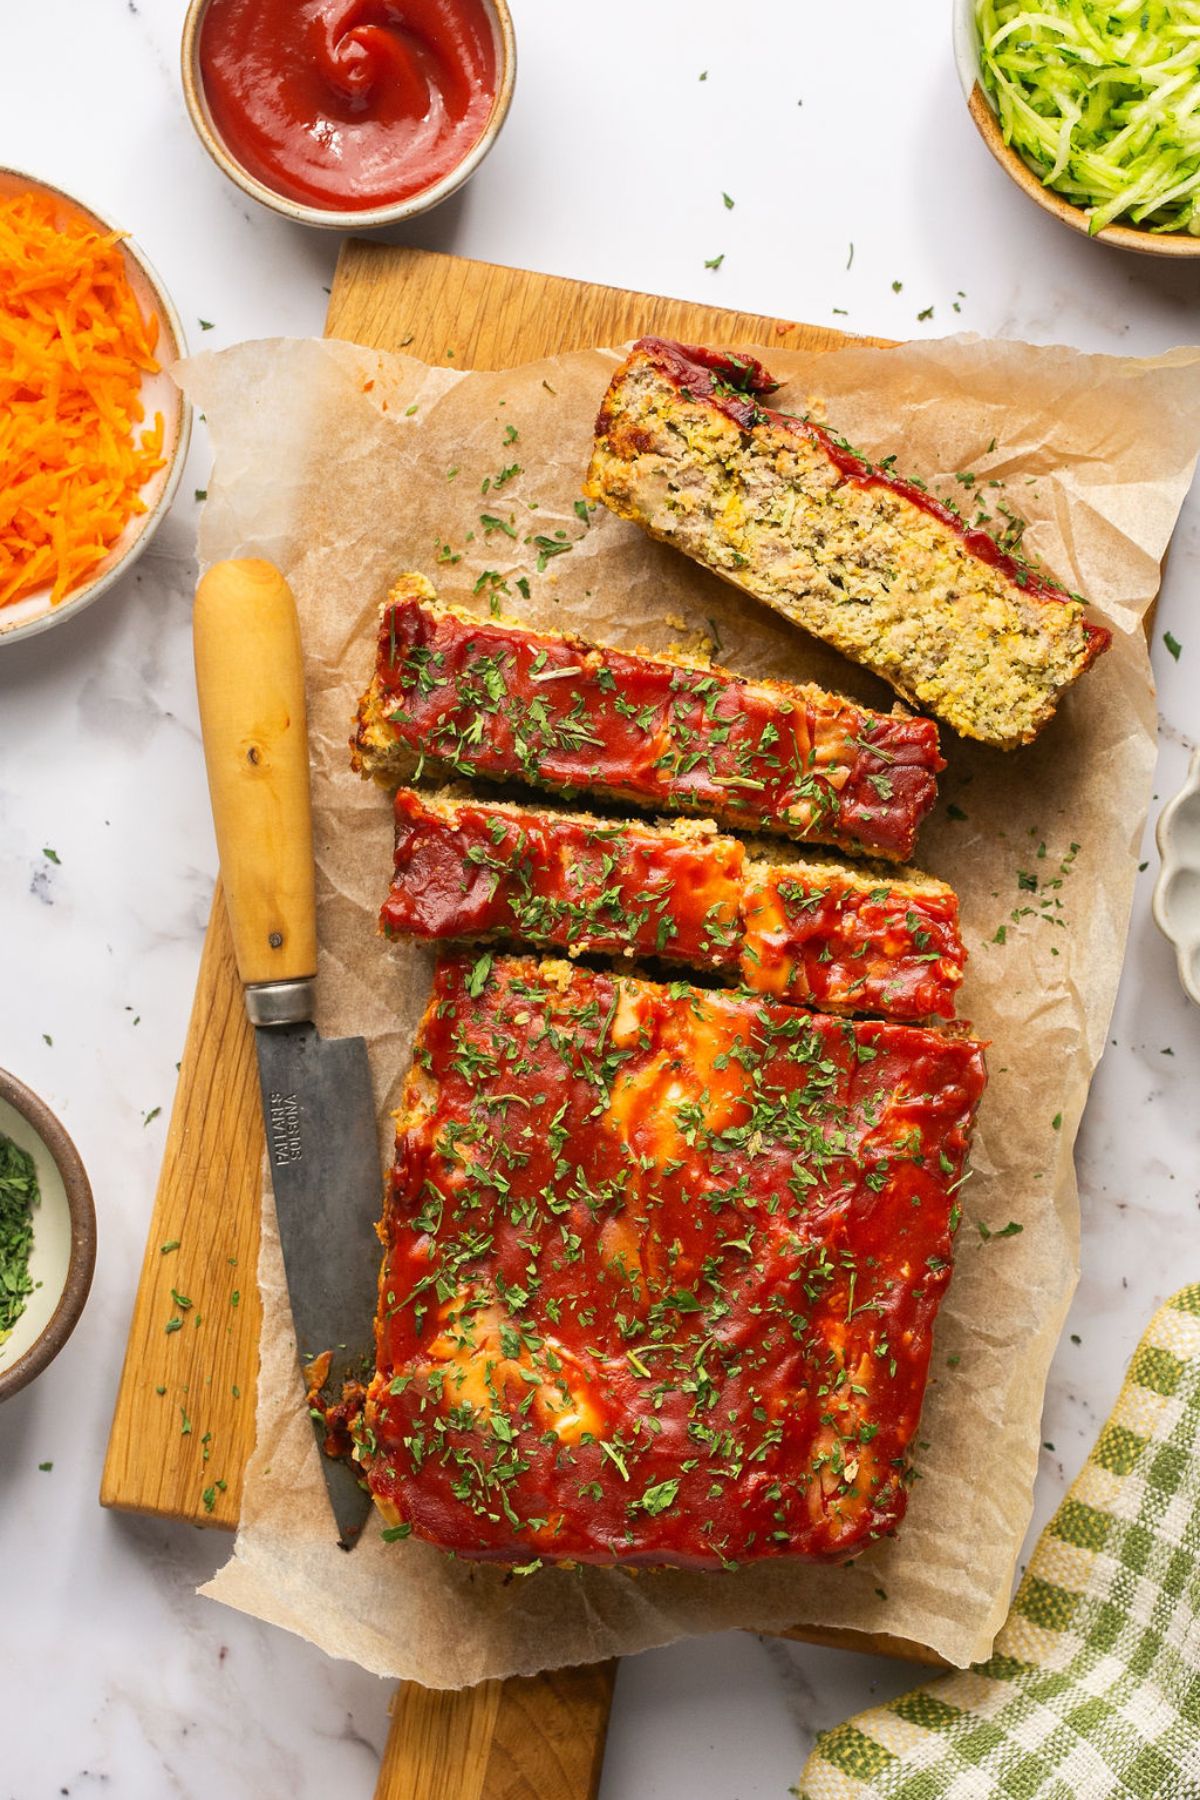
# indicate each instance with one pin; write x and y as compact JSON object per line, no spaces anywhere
{"x":113,"y":1677}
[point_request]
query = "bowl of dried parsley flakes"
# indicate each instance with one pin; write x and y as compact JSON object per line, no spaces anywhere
{"x":47,"y":1235}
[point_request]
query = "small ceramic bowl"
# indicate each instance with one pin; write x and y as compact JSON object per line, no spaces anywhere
{"x":356,"y":219}
{"x":982,"y":111}
{"x":1176,"y":900}
{"x":64,"y":1237}
{"x":34,"y":613}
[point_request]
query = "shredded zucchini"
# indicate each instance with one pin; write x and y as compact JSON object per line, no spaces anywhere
{"x":1103,"y":102}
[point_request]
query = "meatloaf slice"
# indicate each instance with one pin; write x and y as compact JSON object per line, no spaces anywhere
{"x":459,"y":696}
{"x":786,"y":510}
{"x":837,"y":939}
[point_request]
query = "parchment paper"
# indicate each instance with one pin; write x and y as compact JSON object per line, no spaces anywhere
{"x":339,"y":464}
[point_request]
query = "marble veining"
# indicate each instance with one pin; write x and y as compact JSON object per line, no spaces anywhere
{"x":861,"y":171}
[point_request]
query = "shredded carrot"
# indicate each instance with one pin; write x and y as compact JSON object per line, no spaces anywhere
{"x":74,"y":347}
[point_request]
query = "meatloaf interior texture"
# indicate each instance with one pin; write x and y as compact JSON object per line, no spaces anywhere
{"x":784,"y":509}
{"x":660,"y":1271}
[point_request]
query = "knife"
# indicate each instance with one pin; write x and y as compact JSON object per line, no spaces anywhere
{"x":318,"y":1108}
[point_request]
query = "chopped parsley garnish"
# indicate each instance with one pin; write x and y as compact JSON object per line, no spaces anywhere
{"x":19,"y":1196}
{"x":1012,"y":1229}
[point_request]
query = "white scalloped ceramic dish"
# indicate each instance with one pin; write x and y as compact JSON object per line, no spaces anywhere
{"x":1176,"y":900}
{"x":34,"y":613}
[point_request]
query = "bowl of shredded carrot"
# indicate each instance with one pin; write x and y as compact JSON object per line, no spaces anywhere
{"x":93,"y":432}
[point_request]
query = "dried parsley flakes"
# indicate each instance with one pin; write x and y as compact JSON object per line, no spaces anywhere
{"x":18,"y":1197}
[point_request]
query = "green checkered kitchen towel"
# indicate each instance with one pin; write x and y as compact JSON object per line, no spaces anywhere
{"x":1093,"y":1689}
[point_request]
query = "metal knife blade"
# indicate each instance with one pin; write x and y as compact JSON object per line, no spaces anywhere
{"x":321,"y":1146}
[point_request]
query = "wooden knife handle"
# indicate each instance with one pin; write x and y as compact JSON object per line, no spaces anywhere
{"x":250,"y":682}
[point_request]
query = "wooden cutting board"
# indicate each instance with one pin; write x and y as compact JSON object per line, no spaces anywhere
{"x":183,"y":1426}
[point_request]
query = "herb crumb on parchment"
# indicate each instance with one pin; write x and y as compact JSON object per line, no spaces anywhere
{"x":18,"y":1197}
{"x":1012,"y":1229}
{"x":1173,"y":644}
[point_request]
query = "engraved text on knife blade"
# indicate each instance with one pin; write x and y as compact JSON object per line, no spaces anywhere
{"x":284,"y":1125}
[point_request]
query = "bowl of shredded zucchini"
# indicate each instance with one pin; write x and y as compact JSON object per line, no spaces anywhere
{"x":1093,"y":107}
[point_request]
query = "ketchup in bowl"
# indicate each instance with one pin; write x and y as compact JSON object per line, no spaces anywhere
{"x":348,"y":105}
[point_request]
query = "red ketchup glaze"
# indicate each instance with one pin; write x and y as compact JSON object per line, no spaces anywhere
{"x":488,"y":698}
{"x":836,"y":944}
{"x":661,"y":1270}
{"x":732,"y":382}
{"x":814,"y":937}
{"x":348,"y":104}
{"x":562,"y":883}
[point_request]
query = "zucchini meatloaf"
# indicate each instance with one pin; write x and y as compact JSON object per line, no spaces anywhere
{"x":838,"y":939}
{"x":787,"y":511}
{"x":661,"y":1262}
{"x":661,"y":1267}
{"x":456,"y":695}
